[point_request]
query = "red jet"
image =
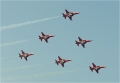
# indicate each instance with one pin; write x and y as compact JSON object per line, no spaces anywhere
{"x":69,"y":14}
{"x":96,"y":68}
{"x":82,"y":42}
{"x":61,"y":61}
{"x":25,"y":55}
{"x":45,"y":37}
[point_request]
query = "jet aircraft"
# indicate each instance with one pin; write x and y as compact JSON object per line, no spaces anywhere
{"x":82,"y":42}
{"x":69,"y":14}
{"x":45,"y":37}
{"x":61,"y":61}
{"x":96,"y":68}
{"x":25,"y":55}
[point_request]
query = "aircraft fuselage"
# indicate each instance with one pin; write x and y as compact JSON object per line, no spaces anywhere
{"x":24,"y":55}
{"x":61,"y":61}
{"x":82,"y":42}
{"x":69,"y":14}
{"x":45,"y":37}
{"x":96,"y":68}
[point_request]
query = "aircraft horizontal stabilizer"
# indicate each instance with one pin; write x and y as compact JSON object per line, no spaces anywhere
{"x":64,"y":16}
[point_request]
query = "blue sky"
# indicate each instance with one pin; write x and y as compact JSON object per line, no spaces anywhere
{"x":98,"y":21}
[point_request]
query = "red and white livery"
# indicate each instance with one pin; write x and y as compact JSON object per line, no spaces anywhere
{"x":96,"y":68}
{"x":82,"y":42}
{"x":61,"y":61}
{"x":69,"y":14}
{"x":25,"y":55}
{"x":45,"y":37}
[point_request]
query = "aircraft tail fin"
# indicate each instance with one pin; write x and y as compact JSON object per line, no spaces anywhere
{"x":76,"y":43}
{"x":91,"y":69}
{"x":40,"y":37}
{"x":20,"y":56}
{"x":64,"y":15}
{"x":56,"y":62}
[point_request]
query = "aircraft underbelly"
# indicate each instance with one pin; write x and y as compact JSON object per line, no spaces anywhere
{"x":61,"y":61}
{"x":82,"y":42}
{"x":24,"y":55}
{"x":96,"y":68}
{"x":69,"y":15}
{"x":45,"y":37}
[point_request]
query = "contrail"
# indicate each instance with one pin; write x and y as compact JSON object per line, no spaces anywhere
{"x":16,"y":42}
{"x":27,"y":23}
{"x":7,"y":57}
{"x":16,"y":78}
{"x":23,"y":67}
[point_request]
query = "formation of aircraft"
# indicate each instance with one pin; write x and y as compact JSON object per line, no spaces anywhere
{"x":82,"y":42}
{"x":25,"y":55}
{"x":69,"y":14}
{"x":62,"y":61}
{"x":45,"y":37}
{"x":96,"y":68}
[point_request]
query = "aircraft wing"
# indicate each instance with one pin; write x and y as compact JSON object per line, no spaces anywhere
{"x":21,"y":57}
{"x":83,"y":45}
{"x":22,"y":52}
{"x":46,"y":40}
{"x":59,"y":58}
{"x":97,"y":70}
{"x":42,"y":34}
{"x":66,"y":11}
{"x":25,"y":58}
{"x":93,"y":65}
{"x":62,"y":64}
{"x":70,"y":18}
{"x":78,"y":44}
{"x":79,"y":39}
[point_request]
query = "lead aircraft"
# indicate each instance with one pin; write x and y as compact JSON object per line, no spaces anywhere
{"x":69,"y":14}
